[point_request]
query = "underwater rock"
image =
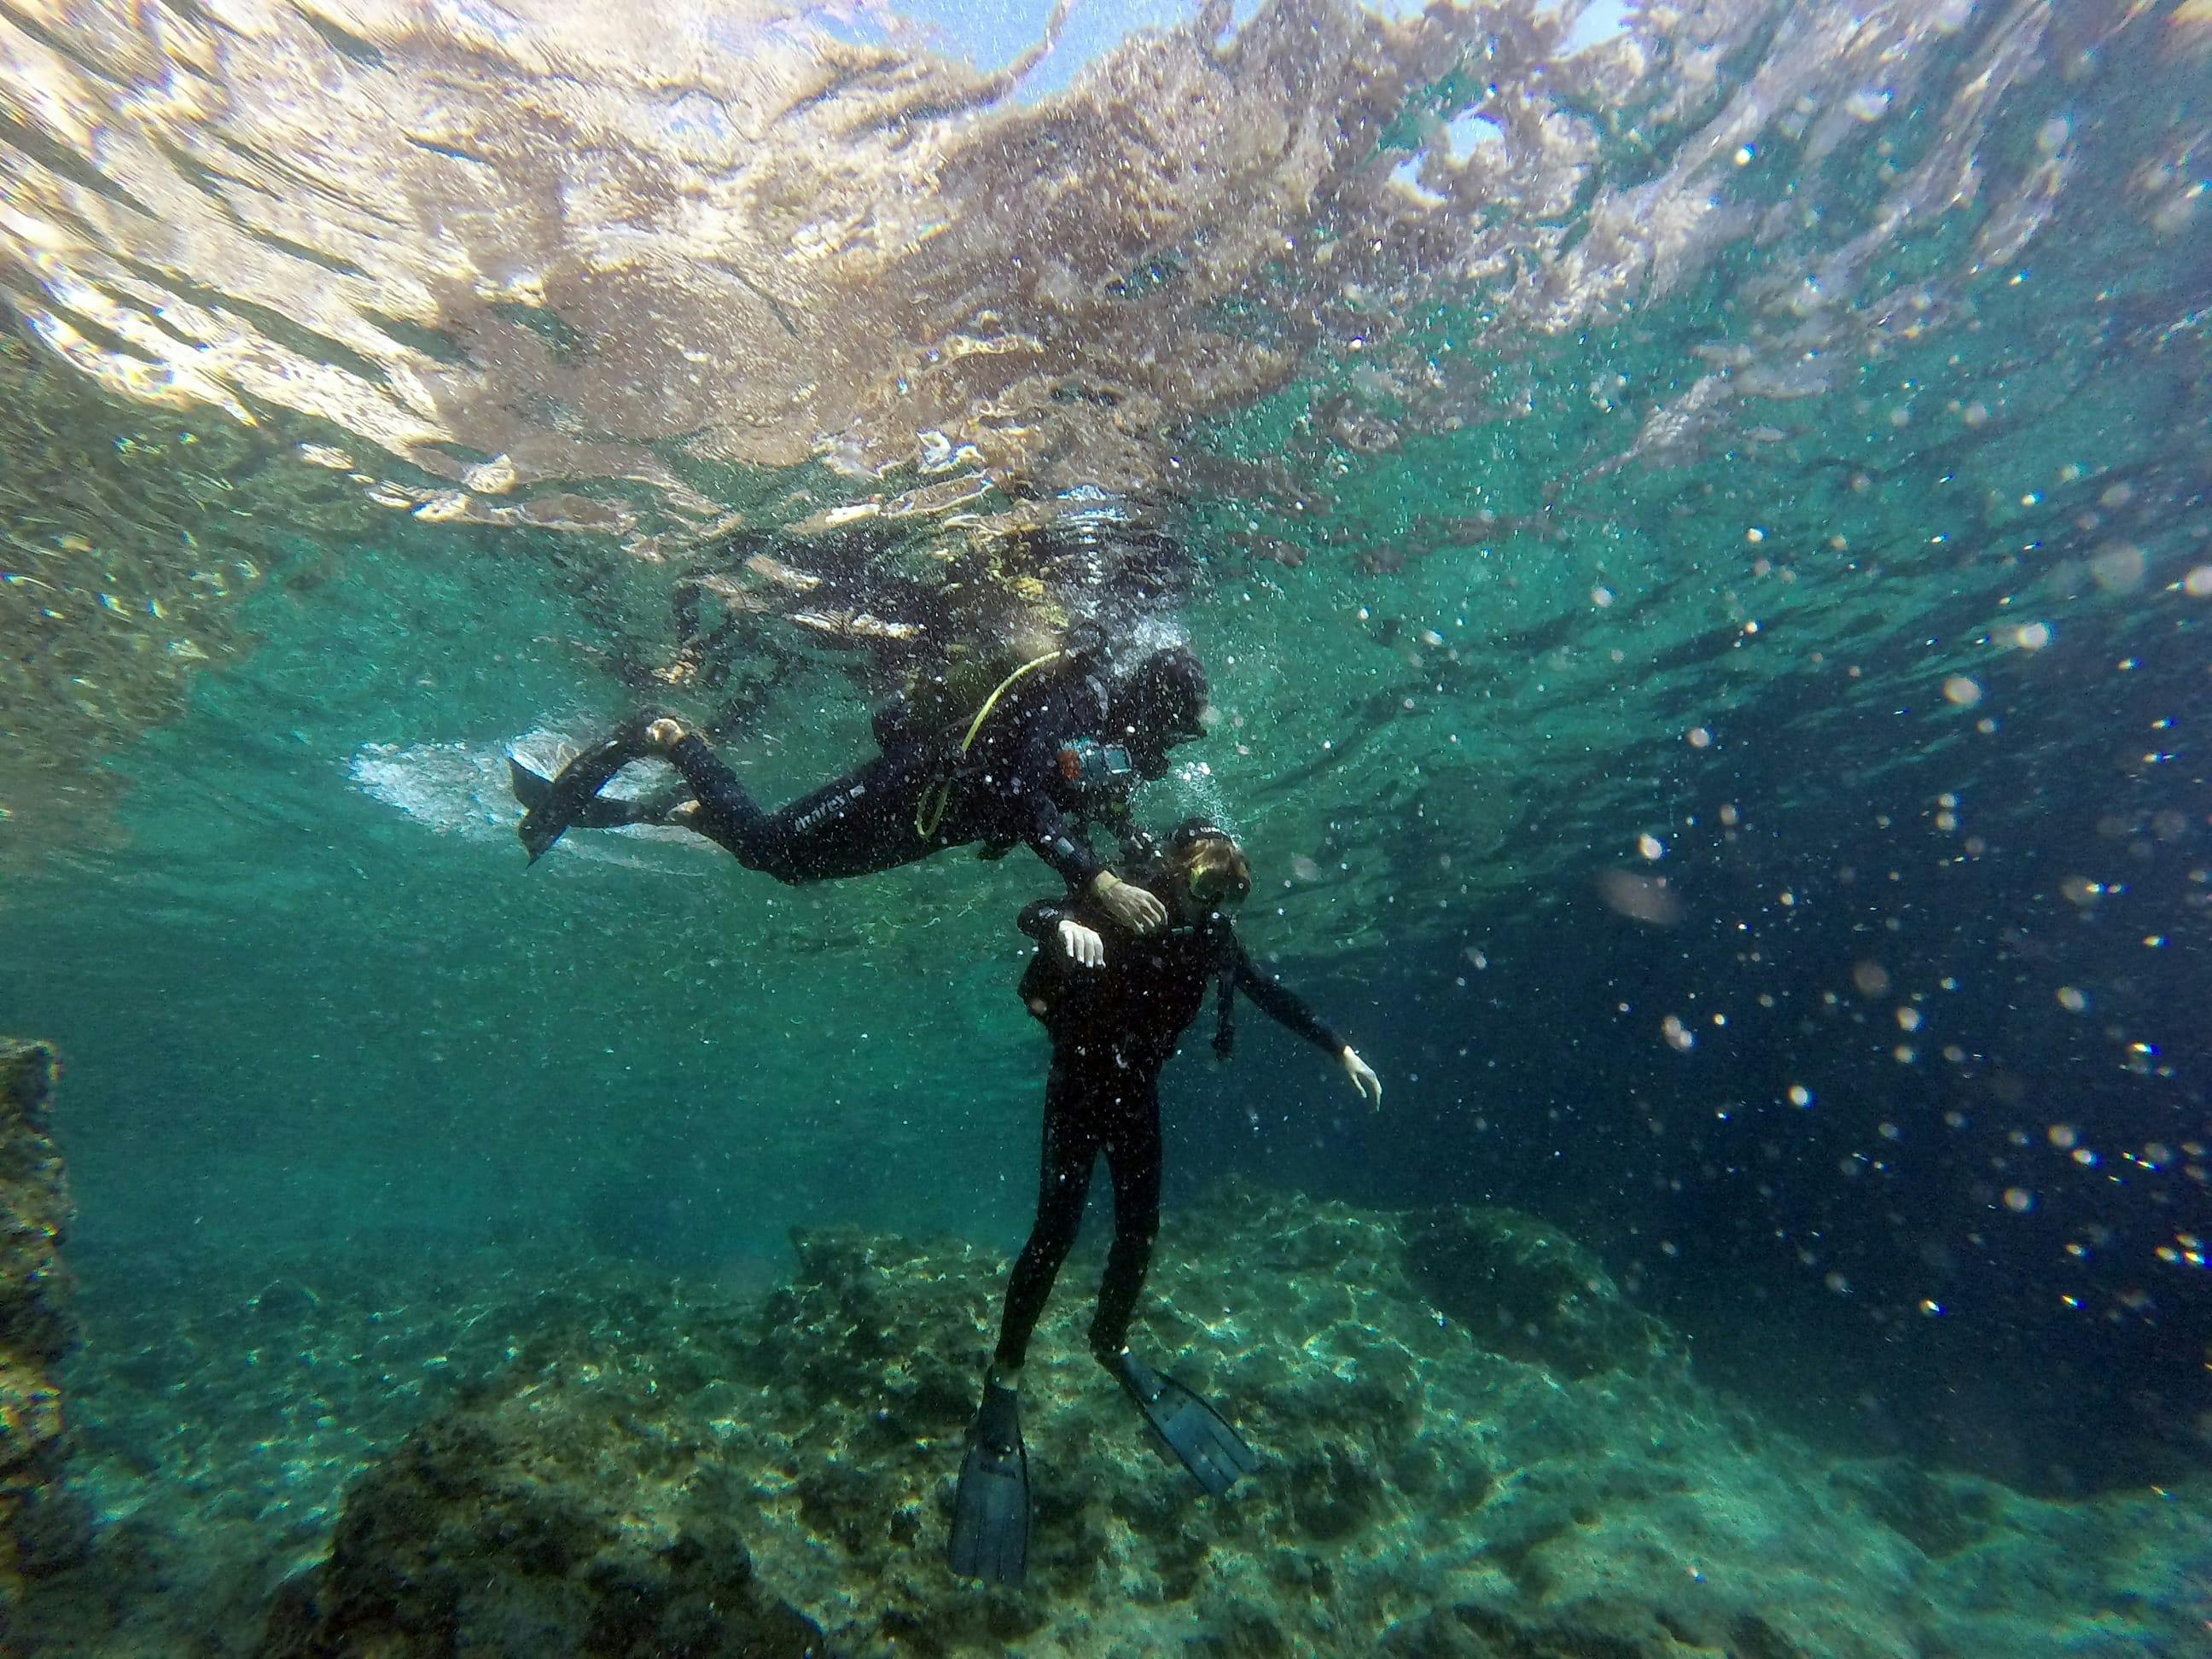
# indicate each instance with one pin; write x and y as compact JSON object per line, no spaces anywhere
{"x":1527,"y":1291}
{"x":521,"y":1525}
{"x":44,"y":1525}
{"x":673,"y":1468}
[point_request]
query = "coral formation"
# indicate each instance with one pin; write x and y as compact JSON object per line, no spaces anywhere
{"x":43,"y":1525}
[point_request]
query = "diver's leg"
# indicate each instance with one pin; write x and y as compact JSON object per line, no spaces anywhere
{"x":1133,"y":1159}
{"x":1070,"y":1149}
{"x":851,"y":826}
{"x":1189,"y":1428}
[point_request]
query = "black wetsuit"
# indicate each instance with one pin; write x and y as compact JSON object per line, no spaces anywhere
{"x":1113,"y":1029}
{"x":1041,"y":767}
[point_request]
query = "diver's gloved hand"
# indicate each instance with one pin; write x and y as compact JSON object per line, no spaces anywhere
{"x":1083,"y":945}
{"x":1131,"y":906}
{"x":663,"y":735}
{"x":1362,"y":1077}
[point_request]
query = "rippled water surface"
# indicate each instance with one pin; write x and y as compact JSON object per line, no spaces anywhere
{"x":1696,"y":515}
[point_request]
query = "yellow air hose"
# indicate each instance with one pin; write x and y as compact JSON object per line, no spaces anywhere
{"x":931,"y":811}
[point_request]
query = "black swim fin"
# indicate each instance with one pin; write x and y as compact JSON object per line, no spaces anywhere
{"x":1213,"y":1452}
{"x":601,"y":812}
{"x":991,"y":1509}
{"x":569,"y":798}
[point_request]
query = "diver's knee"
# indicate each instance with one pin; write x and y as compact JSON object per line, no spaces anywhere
{"x":1137,"y":1237}
{"x":1050,"y":1241}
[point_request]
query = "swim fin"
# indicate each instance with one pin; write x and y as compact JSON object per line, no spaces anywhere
{"x":991,"y":1509}
{"x":568,"y":798}
{"x":601,"y":812}
{"x":1212,"y":1451}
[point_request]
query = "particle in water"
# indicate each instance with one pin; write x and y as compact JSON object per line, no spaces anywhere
{"x":1871,"y":978}
{"x":2071,"y":1000}
{"x":1640,"y":898}
{"x":2032,"y":636}
{"x":1800,"y":1095}
{"x":2197,"y":584}
{"x":2061,"y":1135}
{"x":1961,"y":691}
{"x":2118,"y":569}
{"x":1701,"y":737}
{"x":1680,"y":1037}
{"x":1651,"y":847}
{"x":2019,"y":1200}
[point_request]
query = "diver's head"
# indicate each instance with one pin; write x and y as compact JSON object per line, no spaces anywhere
{"x":1157,"y":704}
{"x":1207,"y":866}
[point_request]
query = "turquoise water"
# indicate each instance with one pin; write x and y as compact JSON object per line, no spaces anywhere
{"x":1696,"y":523}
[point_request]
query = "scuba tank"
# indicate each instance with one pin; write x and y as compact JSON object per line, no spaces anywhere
{"x":936,"y":798}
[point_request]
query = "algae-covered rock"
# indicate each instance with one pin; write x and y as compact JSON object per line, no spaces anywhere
{"x":541,"y":1523}
{"x":675,"y":1469}
{"x":1527,"y":1291}
{"x":43,"y":1525}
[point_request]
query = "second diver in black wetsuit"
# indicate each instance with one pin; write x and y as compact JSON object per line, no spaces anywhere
{"x":1059,"y":744}
{"x":1115,"y":1007}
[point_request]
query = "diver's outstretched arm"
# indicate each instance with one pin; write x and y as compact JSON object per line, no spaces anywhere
{"x":1280,"y":1003}
{"x":725,"y":812}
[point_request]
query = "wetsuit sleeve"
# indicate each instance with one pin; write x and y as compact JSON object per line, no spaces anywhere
{"x":1038,"y":919}
{"x":1280,"y":1004}
{"x":1051,"y":836}
{"x":712,"y":781}
{"x":1058,"y":843}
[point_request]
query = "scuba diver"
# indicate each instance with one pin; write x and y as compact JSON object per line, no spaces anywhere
{"x":1115,"y":1013}
{"x":1057,"y":744}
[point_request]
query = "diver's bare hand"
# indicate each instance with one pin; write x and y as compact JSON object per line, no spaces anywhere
{"x":1131,"y":906}
{"x":663,"y":735}
{"x":1362,"y":1077}
{"x":1083,"y":945}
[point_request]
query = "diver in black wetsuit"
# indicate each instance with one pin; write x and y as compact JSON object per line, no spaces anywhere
{"x":1115,"y":1007}
{"x":1057,"y":744}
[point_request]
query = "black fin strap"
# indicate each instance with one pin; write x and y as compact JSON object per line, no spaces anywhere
{"x":1224,"y":1018}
